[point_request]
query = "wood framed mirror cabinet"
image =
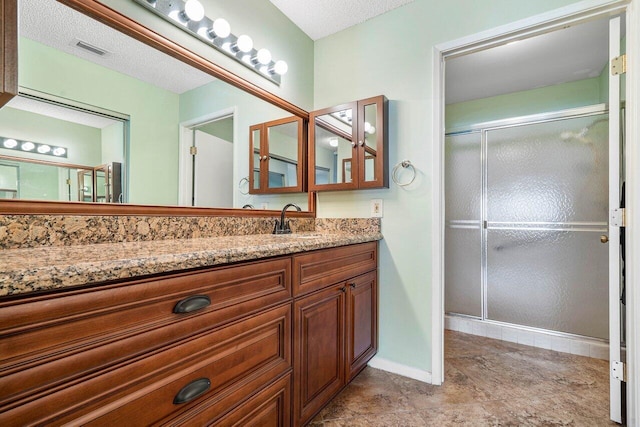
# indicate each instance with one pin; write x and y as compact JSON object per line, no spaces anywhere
{"x":94,"y":9}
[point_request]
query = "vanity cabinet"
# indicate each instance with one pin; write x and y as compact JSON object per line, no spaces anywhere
{"x":277,"y":156}
{"x":180,"y":347}
{"x":348,"y":146}
{"x":335,"y":323}
{"x":267,"y":342}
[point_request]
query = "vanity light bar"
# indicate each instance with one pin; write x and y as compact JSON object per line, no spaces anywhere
{"x":33,"y":147}
{"x":190,"y":17}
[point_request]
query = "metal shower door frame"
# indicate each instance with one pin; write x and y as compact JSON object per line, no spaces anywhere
{"x":486,"y":127}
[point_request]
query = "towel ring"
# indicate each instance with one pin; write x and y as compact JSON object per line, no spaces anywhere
{"x":405,"y":164}
{"x":242,"y":182}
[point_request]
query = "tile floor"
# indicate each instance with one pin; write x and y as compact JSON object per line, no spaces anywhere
{"x":487,"y":383}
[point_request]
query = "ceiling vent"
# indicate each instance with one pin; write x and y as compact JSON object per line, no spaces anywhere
{"x":91,"y":48}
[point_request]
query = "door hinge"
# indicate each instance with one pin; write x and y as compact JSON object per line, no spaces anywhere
{"x":617,"y":370}
{"x":193,"y":150}
{"x":68,"y":181}
{"x":619,"y":65}
{"x":618,"y":217}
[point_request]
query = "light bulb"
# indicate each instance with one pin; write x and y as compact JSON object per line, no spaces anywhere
{"x":372,"y":130}
{"x":59,"y":151}
{"x":367,"y":127}
{"x":244,"y":43}
{"x":333,"y":142}
{"x":349,"y":114}
{"x":264,"y":56}
{"x":10,"y":143}
{"x":44,"y":149}
{"x":281,"y":67}
{"x":28,"y":146}
{"x":264,"y":69}
{"x":246,"y":58}
{"x":221,"y":28}
{"x":194,"y":10}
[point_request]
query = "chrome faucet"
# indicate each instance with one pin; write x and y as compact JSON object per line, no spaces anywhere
{"x":282,"y":227}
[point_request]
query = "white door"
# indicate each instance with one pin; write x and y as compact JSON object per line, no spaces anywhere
{"x":616,"y":371}
{"x":213,"y":172}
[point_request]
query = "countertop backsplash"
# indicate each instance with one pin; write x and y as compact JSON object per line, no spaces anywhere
{"x":33,"y":231}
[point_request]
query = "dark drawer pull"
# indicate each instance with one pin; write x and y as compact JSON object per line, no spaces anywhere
{"x":192,"y":303}
{"x":195,"y":388}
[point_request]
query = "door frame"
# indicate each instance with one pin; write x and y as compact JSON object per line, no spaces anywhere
{"x":534,"y":25}
{"x":185,"y":166}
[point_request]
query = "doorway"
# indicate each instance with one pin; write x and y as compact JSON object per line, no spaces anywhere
{"x":517,"y":32}
{"x":206,"y":172}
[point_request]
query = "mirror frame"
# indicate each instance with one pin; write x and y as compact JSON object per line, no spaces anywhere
{"x":104,"y":14}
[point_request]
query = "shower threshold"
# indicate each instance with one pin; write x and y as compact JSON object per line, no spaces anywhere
{"x":565,"y":343}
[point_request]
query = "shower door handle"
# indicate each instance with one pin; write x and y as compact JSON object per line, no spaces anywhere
{"x":604,"y":238}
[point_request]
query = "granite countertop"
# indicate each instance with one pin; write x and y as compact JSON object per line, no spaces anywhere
{"x":46,"y":268}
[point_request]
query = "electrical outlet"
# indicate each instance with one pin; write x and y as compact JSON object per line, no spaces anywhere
{"x":264,"y":205}
{"x":376,"y":208}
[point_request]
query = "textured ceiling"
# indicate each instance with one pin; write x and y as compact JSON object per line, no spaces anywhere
{"x":320,"y":18}
{"x":58,"y":26}
{"x":566,"y":55}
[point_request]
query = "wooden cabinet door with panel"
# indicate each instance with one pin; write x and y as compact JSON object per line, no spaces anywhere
{"x":318,"y":350}
{"x":362,"y":322}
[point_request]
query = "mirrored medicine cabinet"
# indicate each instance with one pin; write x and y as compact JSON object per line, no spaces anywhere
{"x":277,"y":156}
{"x":348,"y":146}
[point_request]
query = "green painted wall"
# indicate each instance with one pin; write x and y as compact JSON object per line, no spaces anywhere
{"x":222,"y":129}
{"x":551,"y":98}
{"x":153,"y":169}
{"x":393,"y":54}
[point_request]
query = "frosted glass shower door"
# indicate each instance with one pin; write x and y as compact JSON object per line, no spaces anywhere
{"x":546,"y":209}
{"x":463,"y":261}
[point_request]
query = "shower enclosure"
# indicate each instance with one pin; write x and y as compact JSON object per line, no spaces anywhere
{"x":526,"y":219}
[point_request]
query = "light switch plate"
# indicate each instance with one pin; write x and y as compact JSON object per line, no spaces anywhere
{"x":376,"y":208}
{"x":264,"y":205}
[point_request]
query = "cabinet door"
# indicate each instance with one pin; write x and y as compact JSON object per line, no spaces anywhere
{"x":9,"y":53}
{"x":319,"y":351}
{"x":333,"y":150}
{"x":277,"y":156}
{"x":256,"y":160}
{"x":372,"y":143}
{"x":362,"y":322}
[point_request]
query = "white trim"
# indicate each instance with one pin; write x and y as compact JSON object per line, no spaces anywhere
{"x":400,"y":369}
{"x":534,"y":25}
{"x":545,"y":22}
{"x":437,"y":221}
{"x":184,"y":165}
{"x":615,"y":407}
{"x":632,"y":230}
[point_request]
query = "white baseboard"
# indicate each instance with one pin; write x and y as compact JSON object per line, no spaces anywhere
{"x":566,"y":344}
{"x":397,"y":368}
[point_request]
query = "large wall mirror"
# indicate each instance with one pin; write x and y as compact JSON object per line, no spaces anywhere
{"x":176,"y":134}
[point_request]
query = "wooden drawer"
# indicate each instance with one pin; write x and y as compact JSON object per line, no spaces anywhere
{"x":318,"y":269}
{"x":267,"y":408}
{"x":247,"y":353}
{"x":49,"y":341}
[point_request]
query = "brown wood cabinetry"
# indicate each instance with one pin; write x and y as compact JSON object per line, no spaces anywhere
{"x":212,"y":346}
{"x":348,"y":146}
{"x":335,"y":323}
